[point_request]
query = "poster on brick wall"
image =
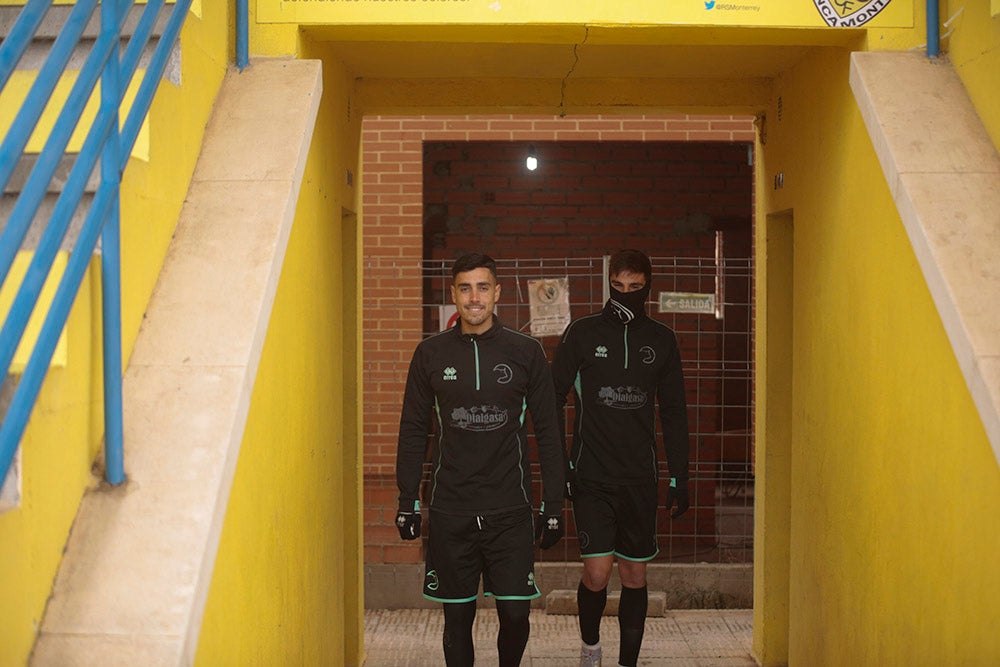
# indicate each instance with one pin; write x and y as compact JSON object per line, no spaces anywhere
{"x":761,"y":13}
{"x":548,"y":299}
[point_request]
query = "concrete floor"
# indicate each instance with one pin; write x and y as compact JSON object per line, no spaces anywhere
{"x":695,"y":638}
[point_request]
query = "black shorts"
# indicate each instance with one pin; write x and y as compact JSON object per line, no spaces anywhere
{"x":498,"y":547}
{"x":618,"y":519}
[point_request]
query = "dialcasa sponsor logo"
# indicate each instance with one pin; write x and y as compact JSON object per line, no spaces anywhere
{"x":479,"y":418}
{"x":601,"y":352}
{"x":848,"y":13}
{"x":622,"y":398}
{"x":450,"y":373}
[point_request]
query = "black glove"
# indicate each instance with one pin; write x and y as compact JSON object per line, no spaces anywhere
{"x":408,"y":520}
{"x":549,"y":529}
{"x":678,"y":494}
{"x":570,"y":482}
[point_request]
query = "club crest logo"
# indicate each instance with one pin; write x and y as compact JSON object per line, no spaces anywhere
{"x":504,"y":373}
{"x":849,"y":13}
{"x":622,"y":398}
{"x":479,"y":418}
{"x":450,"y":373}
{"x":648,"y":354}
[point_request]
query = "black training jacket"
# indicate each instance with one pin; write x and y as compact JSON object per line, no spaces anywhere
{"x":478,"y":388}
{"x":618,"y":372}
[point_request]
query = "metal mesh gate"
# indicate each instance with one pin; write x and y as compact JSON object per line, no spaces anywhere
{"x":717,"y":358}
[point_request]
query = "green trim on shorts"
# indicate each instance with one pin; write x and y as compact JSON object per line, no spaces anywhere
{"x":537,"y":594}
{"x":606,"y":553}
{"x":447,"y":600}
{"x":638,"y":560}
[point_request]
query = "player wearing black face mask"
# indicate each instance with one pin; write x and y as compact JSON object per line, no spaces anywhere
{"x":621,"y":364}
{"x":629,"y":306}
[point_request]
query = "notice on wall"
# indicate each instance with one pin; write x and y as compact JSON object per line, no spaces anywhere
{"x":758,"y":13}
{"x":548,"y":299}
{"x":687,"y":302}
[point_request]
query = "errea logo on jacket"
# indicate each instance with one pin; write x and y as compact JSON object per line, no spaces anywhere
{"x":601,"y":352}
{"x":450,"y":373}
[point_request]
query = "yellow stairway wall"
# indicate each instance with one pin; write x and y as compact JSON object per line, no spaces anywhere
{"x":58,"y":448}
{"x":286,"y":587}
{"x":893,"y":481}
{"x":973,"y":47}
{"x":66,"y":429}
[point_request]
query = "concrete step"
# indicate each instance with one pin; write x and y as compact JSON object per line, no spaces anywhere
{"x":58,"y":181}
{"x":682,"y":585}
{"x":56,"y":17}
{"x":34,"y":56}
{"x":42,"y":217}
{"x":563,"y":601}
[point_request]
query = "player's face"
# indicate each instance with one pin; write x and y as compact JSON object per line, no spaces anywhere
{"x":627,"y":281}
{"x":475,"y":293}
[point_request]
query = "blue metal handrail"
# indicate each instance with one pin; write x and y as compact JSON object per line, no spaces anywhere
{"x":104,"y":141}
{"x":242,"y":34}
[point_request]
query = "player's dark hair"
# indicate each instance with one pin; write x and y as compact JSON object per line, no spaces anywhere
{"x":631,"y":260}
{"x":471,"y":261}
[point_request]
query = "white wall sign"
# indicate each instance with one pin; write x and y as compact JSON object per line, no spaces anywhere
{"x":687,"y":302}
{"x":548,"y":299}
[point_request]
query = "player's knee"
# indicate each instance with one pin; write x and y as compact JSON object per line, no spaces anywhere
{"x":458,"y":618}
{"x":633,"y":575}
{"x":513,"y":613}
{"x":596,"y":574}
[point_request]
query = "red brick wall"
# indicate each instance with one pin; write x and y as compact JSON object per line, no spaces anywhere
{"x":667,"y":198}
{"x":601,"y":180}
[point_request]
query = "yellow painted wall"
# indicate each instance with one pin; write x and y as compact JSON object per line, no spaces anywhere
{"x":65,"y":432}
{"x":270,"y":39}
{"x":970,"y":43}
{"x":893,"y":483}
{"x":57,"y":451}
{"x":287,"y":584}
{"x":341,"y":123}
{"x":14,"y":92}
{"x":974,"y":51}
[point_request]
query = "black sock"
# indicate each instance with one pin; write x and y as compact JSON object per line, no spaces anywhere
{"x":459,"y":650}
{"x":632,"y":623}
{"x":515,"y":627}
{"x":591,"y":606}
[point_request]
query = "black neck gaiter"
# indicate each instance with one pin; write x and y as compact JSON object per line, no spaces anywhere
{"x":629,"y":306}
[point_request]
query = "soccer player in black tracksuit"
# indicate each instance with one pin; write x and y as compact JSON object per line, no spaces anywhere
{"x":479,"y":378}
{"x":620,"y":363}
